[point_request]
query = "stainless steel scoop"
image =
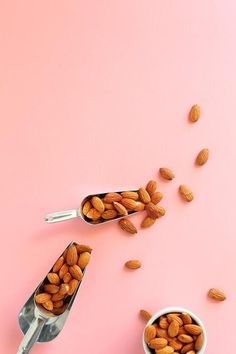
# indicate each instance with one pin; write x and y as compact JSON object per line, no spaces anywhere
{"x":38,"y":324}
{"x":74,"y":213}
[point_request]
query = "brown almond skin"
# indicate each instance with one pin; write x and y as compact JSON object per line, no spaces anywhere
{"x":145,"y":315}
{"x":133,"y":264}
{"x":76,"y":272}
{"x":130,"y":195}
{"x":109,"y":214}
{"x":194,"y":113}
{"x":176,"y":317}
{"x":173,"y":329}
{"x":59,"y":263}
{"x":129,"y":204}
{"x":175,"y":344}
{"x":154,"y":211}
{"x":165,"y":350}
{"x":186,"y":193}
{"x":193,"y":329}
{"x":53,"y":278}
{"x":73,"y":286}
{"x":109,"y":206}
{"x":86,"y":207}
{"x":83,"y":248}
{"x":139,"y":206}
{"x":57,"y":297}
{"x":84,"y":259}
{"x":93,"y":214}
{"x":120,"y":208}
{"x":128,"y":226}
{"x":58,"y":304}
{"x":67,"y":278}
{"x":60,"y":310}
{"x":158,"y":343}
{"x":185,"y":338}
{"x":151,"y":187}
{"x":72,"y":255}
{"x":147,"y":222}
{"x":48,"y":305}
{"x":51,"y":288}
{"x":186,"y":318}
{"x":144,"y":195}
{"x":187,"y":347}
{"x":156,"y":197}
{"x":149,"y":333}
{"x":64,"y":288}
{"x":166,"y":173}
{"x":43,"y":297}
{"x":64,"y":269}
{"x":112,"y":197}
{"x":199,"y":342}
{"x":202,"y":157}
{"x":97,"y":203}
{"x":163,"y":323}
{"x":216,"y":294}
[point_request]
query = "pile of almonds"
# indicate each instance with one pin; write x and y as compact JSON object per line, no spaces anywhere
{"x":174,"y":333}
{"x":63,"y":279}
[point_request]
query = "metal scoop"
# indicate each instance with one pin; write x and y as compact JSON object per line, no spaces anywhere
{"x":38,"y":324}
{"x":75,"y":213}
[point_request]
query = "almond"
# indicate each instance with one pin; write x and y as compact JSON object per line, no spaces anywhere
{"x":128,"y":203}
{"x":216,"y":294}
{"x":72,"y":255}
{"x":93,"y":214}
{"x":51,"y":288}
{"x":112,"y":197}
{"x":109,"y":206}
{"x":202,"y":157}
{"x":84,"y":259}
{"x":194,"y":113}
{"x":145,"y":315}
{"x":48,"y":305}
{"x":174,"y":316}
{"x":193,"y":329}
{"x":163,"y":323}
{"x":144,"y":196}
{"x":187,"y":347}
{"x":73,"y":286}
{"x":182,"y":330}
{"x":58,"y":304}
{"x":185,"y":338}
{"x":109,"y":214}
{"x":57,"y":297}
{"x":67,"y":277}
{"x":86,"y":207}
{"x":199,"y":342}
{"x":120,"y":209}
{"x":149,"y":333}
{"x":83,"y":248}
{"x":158,"y":343}
{"x":186,"y":318}
{"x":64,"y":269}
{"x":139,"y":206}
{"x":147,"y":222}
{"x":154,"y":211}
{"x":59,"y":263}
{"x":60,"y":310}
{"x":43,"y":297}
{"x":130,"y":195}
{"x":162,"y":333}
{"x":166,"y":173}
{"x":166,"y":350}
{"x":156,"y":197}
{"x":64,"y":288}
{"x":133,"y":264}
{"x":151,"y":187}
{"x":173,"y":329}
{"x":191,"y":352}
{"x":127,"y":226}
{"x":53,"y":278}
{"x":76,"y":272}
{"x":98,"y":204}
{"x":186,"y":193}
{"x":175,"y":344}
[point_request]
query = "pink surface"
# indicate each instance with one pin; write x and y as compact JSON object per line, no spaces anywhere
{"x":95,"y":96}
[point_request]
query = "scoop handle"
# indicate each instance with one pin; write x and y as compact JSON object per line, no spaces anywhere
{"x":62,"y":216}
{"x":31,"y":336}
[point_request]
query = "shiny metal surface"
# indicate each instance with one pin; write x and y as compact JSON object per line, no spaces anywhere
{"x":37,"y":324}
{"x":74,"y":213}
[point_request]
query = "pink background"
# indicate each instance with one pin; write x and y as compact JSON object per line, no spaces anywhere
{"x":94,"y":97}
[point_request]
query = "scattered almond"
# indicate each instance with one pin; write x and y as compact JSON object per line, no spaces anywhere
{"x":145,"y":315}
{"x":147,"y":222}
{"x":133,"y":264}
{"x":144,"y":196}
{"x":151,"y":187}
{"x":166,"y":173}
{"x":83,"y":248}
{"x":194,"y":113}
{"x":156,"y":197}
{"x":202,"y":157}
{"x":127,"y":226}
{"x":216,"y":294}
{"x":186,"y":193}
{"x":154,"y":211}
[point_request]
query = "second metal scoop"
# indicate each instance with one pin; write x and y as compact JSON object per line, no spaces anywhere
{"x":74,"y":213}
{"x":39,"y":325}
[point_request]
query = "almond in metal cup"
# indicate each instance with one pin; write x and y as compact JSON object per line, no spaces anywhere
{"x":167,"y":311}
